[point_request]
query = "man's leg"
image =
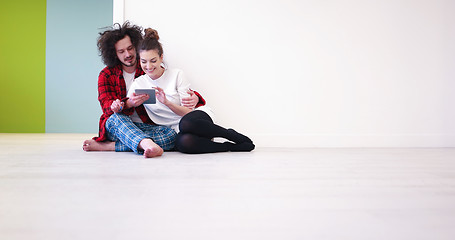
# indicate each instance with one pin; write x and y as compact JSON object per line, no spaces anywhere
{"x":161,"y":135}
{"x":92,"y":145}
{"x":120,"y":127}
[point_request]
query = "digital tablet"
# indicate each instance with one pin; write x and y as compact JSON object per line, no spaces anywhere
{"x":148,"y":91}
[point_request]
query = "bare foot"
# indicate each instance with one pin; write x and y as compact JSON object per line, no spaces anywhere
{"x":149,"y":153}
{"x":92,"y":145}
{"x":151,"y":149}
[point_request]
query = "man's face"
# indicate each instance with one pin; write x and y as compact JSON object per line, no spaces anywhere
{"x":126,"y":52}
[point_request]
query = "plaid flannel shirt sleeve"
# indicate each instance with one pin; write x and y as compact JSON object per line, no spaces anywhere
{"x":110,"y":89}
{"x":201,"y":99}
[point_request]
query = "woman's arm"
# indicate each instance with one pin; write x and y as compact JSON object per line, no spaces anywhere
{"x":177,"y":109}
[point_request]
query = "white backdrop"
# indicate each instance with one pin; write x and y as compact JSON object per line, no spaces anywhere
{"x":315,"y":73}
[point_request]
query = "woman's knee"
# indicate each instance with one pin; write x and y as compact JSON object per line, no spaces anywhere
{"x":194,"y":120}
{"x":185,"y":125}
{"x":185,"y":143}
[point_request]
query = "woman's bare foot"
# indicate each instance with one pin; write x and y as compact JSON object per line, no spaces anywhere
{"x":151,"y":149}
{"x":92,"y":145}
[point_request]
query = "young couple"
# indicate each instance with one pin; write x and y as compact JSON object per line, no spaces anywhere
{"x":178,"y":121}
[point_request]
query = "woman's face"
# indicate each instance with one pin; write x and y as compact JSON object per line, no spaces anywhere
{"x":151,"y":63}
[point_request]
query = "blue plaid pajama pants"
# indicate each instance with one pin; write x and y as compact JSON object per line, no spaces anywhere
{"x":127,"y":134}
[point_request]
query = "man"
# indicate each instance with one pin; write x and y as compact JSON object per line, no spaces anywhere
{"x":130,"y":129}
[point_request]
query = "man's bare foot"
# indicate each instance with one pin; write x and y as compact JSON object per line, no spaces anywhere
{"x":149,"y":153}
{"x":151,"y":149}
{"x":92,"y":145}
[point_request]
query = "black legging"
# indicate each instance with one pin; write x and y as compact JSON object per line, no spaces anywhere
{"x":197,"y":130}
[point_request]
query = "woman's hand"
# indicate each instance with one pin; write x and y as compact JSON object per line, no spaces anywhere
{"x":136,"y":100}
{"x":117,"y":106}
{"x":177,"y":109}
{"x":191,"y":101}
{"x":160,"y":95}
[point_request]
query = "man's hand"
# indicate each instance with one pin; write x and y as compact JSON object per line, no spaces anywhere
{"x":191,"y":101}
{"x":117,"y":106}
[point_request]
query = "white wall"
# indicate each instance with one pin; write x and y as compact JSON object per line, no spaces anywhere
{"x":316,"y":73}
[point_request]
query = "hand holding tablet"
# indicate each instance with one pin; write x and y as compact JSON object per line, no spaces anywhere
{"x":150,"y":92}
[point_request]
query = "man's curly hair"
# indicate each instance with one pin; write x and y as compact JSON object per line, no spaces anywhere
{"x":108,"y":39}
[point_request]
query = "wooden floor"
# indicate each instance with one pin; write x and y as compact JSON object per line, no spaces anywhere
{"x":51,"y":189}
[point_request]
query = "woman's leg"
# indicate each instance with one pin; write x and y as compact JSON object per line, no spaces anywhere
{"x":197,"y":130}
{"x":190,"y":143}
{"x":199,"y":123}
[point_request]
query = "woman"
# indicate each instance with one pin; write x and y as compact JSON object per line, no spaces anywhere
{"x":195,"y":127}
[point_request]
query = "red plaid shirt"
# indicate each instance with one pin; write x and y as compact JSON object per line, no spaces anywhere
{"x":111,"y":86}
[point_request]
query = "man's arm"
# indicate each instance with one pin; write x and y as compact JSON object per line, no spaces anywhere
{"x":107,"y":91}
{"x":194,"y":100}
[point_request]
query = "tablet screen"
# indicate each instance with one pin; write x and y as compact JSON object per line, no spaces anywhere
{"x":150,"y":92}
